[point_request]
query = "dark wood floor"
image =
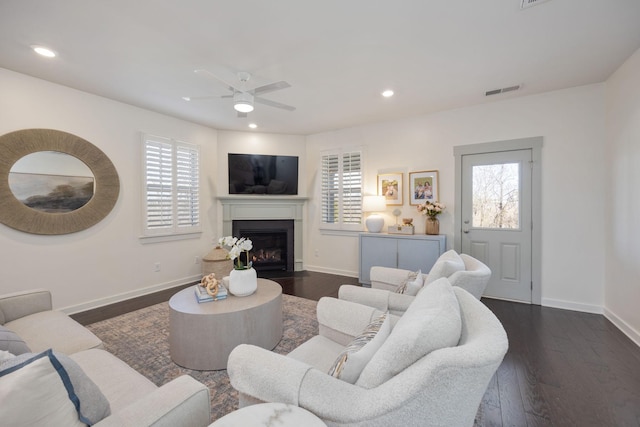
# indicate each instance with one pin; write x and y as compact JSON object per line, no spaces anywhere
{"x":303,"y":284}
{"x":563,"y":368}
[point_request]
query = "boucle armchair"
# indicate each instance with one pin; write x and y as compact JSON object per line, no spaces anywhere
{"x":473,"y":275}
{"x":442,"y":387}
{"x":461,"y":270}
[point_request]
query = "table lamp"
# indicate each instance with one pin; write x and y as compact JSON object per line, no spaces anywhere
{"x":374,"y":204}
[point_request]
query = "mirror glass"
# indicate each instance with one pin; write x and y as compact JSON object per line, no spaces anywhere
{"x":51,"y":181}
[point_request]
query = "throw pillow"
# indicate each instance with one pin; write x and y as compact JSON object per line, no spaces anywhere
{"x":359,"y":352}
{"x":37,"y":392}
{"x":89,"y":404}
{"x":11,"y":342}
{"x":431,"y":322}
{"x":410,"y":278}
{"x":414,"y":286}
{"x":447,"y":264}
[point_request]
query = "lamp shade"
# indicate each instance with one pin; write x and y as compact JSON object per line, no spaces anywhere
{"x":374,"y":203}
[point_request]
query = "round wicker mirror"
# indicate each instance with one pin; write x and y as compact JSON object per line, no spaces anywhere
{"x":16,"y":214}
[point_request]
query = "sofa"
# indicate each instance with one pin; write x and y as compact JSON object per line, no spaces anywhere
{"x":53,"y":371}
{"x":429,"y":367}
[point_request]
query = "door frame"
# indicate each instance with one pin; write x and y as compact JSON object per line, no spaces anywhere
{"x":535,"y":145}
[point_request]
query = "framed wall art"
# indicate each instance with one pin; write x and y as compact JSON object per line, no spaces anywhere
{"x":390,"y":185}
{"x":423,"y":186}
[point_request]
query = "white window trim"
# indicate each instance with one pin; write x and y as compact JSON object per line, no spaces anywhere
{"x":340,"y":227}
{"x":175,"y":231}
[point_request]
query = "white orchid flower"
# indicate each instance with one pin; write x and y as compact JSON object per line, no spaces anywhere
{"x":234,"y":252}
{"x":245,"y":245}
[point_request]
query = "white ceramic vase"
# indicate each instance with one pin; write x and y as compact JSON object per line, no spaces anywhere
{"x":243,"y":283}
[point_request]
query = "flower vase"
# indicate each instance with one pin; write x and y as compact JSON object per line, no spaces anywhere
{"x":432,"y":226}
{"x":243,"y":283}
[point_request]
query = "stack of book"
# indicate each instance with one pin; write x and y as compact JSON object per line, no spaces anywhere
{"x":203,"y":296}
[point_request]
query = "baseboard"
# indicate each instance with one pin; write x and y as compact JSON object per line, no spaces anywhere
{"x":574,"y":306}
{"x":623,"y":326}
{"x":101,"y":302}
{"x":317,"y":269}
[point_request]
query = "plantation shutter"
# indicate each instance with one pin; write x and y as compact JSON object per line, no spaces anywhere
{"x":159,"y":184}
{"x":341,"y":188}
{"x":188,"y":185}
{"x":171,"y":186}
{"x":330,"y":189}
{"x":351,"y":188}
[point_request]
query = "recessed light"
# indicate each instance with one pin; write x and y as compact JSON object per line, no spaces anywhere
{"x":44,"y":51}
{"x":186,"y":98}
{"x":253,"y":125}
{"x":387,"y":93}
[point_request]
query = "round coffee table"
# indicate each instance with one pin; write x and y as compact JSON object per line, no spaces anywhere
{"x":201,"y":336}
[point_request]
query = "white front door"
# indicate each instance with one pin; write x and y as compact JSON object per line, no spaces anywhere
{"x":496,"y":216}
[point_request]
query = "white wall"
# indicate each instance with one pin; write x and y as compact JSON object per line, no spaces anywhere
{"x":106,"y":262}
{"x":622,"y":267}
{"x":572,"y":123}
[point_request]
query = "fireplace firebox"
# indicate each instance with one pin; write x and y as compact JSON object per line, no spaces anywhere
{"x":272,"y":242}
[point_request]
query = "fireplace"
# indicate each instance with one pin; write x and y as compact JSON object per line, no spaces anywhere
{"x":264,"y":208}
{"x":273,"y":242}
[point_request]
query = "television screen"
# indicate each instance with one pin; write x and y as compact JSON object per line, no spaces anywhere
{"x":263,"y":174}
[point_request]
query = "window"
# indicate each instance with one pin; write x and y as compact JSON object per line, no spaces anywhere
{"x":171,"y":186}
{"x":496,"y":195}
{"x":341,"y":190}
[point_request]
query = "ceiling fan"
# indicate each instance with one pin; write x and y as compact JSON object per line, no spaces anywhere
{"x":243,"y":98}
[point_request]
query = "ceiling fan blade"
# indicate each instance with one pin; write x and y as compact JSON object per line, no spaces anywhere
{"x":242,"y":114}
{"x":202,"y":98}
{"x":274,"y":104}
{"x":209,"y":74}
{"x":271,"y":87}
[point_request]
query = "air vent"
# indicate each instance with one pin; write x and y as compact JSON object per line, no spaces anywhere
{"x":528,"y":3}
{"x":503,"y":90}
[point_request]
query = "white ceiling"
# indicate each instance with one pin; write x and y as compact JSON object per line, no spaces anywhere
{"x":338,"y":55}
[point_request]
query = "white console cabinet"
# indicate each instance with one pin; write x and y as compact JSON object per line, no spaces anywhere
{"x":410,"y":252}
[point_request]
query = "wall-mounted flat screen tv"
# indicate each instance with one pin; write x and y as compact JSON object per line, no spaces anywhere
{"x":263,"y":174}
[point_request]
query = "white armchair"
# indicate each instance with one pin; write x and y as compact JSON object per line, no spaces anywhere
{"x":470,"y":275}
{"x":444,"y":386}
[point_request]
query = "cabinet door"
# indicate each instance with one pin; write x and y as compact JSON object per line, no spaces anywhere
{"x":418,"y":254}
{"x":376,"y":251}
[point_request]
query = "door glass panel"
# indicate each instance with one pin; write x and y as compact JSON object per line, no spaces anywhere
{"x":496,"y":196}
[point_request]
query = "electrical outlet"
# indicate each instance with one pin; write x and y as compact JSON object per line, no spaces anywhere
{"x":197,"y":261}
{"x":316,"y":253}
{"x":156,"y":267}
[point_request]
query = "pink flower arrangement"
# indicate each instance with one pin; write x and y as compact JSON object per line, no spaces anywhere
{"x":431,"y":209}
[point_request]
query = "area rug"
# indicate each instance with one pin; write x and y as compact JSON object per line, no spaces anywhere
{"x":141,"y":339}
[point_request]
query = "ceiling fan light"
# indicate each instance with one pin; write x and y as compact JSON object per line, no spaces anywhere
{"x":243,"y":106}
{"x":243,"y":102}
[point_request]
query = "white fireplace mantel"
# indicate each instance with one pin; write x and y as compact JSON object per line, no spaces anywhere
{"x":267,"y":207}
